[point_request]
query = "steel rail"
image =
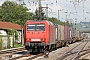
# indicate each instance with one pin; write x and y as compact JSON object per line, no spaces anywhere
{"x":68,"y":52}
{"x":10,"y":50}
{"x":78,"y":53}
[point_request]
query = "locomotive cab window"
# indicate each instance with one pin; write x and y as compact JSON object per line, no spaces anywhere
{"x":40,"y":27}
{"x":31,"y":27}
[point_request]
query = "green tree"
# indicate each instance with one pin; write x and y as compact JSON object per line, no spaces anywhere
{"x":0,"y":42}
{"x":56,"y":21}
{"x":10,"y":32}
{"x":12,"y":12}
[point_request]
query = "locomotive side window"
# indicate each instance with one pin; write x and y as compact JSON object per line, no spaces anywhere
{"x":40,"y":27}
{"x":31,"y":27}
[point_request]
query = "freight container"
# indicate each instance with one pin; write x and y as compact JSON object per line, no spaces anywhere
{"x":66,"y":33}
{"x":58,"y":33}
{"x":63,"y":41}
{"x":58,"y":36}
{"x":78,"y":35}
{"x":72,"y":33}
{"x":75,"y":35}
{"x":62,"y":32}
{"x":81,"y":35}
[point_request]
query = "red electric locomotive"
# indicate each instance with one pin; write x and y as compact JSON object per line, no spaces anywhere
{"x":39,"y":35}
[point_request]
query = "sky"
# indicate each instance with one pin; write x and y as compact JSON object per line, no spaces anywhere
{"x":72,"y":10}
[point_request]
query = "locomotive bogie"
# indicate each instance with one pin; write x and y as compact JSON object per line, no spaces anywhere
{"x":35,"y":46}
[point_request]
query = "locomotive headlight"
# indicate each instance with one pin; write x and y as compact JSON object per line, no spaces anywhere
{"x":43,"y":39}
{"x":28,"y":39}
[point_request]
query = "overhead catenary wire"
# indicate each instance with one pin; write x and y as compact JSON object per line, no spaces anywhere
{"x":83,"y":7}
{"x":75,"y":5}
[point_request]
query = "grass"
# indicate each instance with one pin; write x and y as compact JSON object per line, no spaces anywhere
{"x":16,"y":45}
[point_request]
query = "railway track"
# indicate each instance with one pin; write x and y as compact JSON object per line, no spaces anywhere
{"x":21,"y":54}
{"x":75,"y":52}
{"x":84,"y":56}
{"x":17,"y":54}
{"x":9,"y":52}
{"x":26,"y":57}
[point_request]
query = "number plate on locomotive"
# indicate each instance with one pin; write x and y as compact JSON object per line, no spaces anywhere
{"x":35,"y":40}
